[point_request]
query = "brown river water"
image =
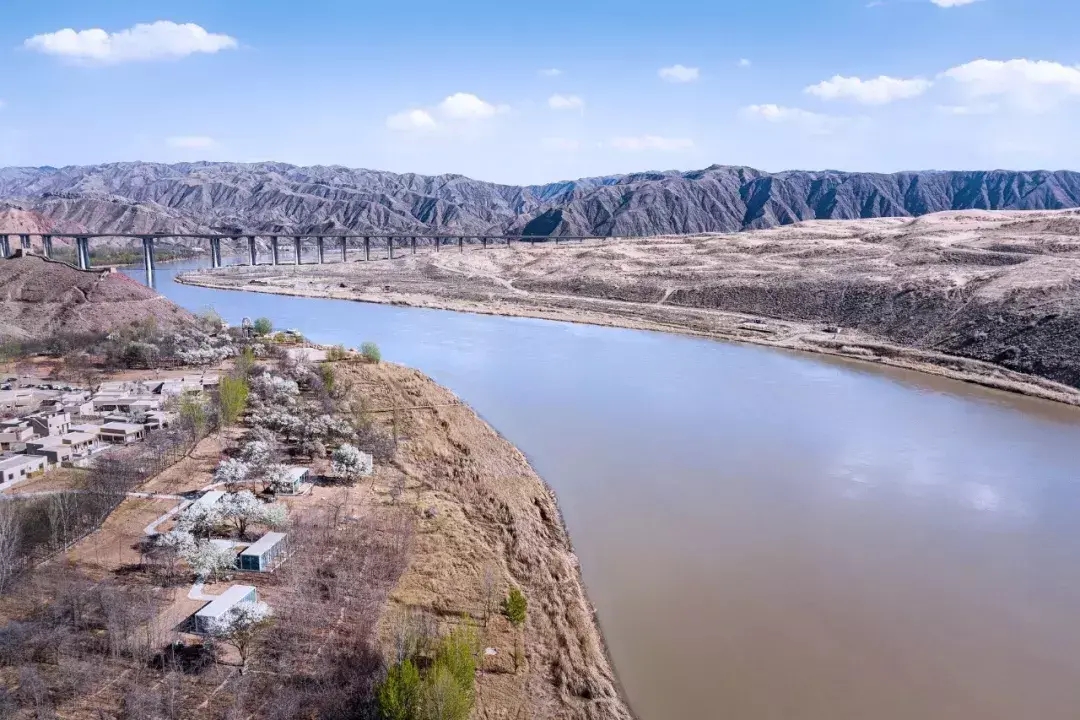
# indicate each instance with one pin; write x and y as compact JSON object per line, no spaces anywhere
{"x":770,"y":535}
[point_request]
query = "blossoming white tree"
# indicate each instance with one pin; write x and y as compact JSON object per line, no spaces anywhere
{"x":241,"y":509}
{"x":210,"y":560}
{"x":350,"y":462}
{"x":240,"y":625}
{"x":199,"y":520}
{"x":231,"y":471}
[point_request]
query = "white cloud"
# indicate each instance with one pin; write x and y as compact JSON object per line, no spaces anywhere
{"x":162,"y":40}
{"x":875,"y":91}
{"x":190,"y":142}
{"x":679,"y":74}
{"x":466,"y":106}
{"x":565,"y":102}
{"x":561,"y":144}
{"x":1033,"y":85}
{"x":814,"y":123}
{"x":411,"y":120}
{"x":550,"y":72}
{"x":651,"y":142}
{"x":744,"y":63}
{"x":952,"y":3}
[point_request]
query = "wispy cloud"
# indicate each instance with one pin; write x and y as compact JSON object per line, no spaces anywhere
{"x":810,"y":122}
{"x":460,"y":109}
{"x":953,"y":3}
{"x":744,"y":63}
{"x":190,"y":142}
{"x":679,"y":74}
{"x":875,"y":91}
{"x":411,"y":120}
{"x":565,"y":102}
{"x":162,"y":40}
{"x":651,"y":142}
{"x":1031,"y":85}
{"x":550,"y":72}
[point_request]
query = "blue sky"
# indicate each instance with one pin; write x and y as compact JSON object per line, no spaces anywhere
{"x":531,"y":92}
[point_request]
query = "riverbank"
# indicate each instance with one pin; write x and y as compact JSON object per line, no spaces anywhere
{"x":1018,"y":338}
{"x":486,"y":523}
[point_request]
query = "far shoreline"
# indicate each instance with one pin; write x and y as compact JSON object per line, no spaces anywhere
{"x":850,"y":349}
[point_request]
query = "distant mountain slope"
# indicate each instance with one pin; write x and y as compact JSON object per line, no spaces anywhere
{"x":280,"y":198}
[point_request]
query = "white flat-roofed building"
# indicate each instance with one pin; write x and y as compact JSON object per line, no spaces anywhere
{"x":266,"y":553}
{"x":15,"y":432}
{"x":15,"y":468}
{"x":56,"y":423}
{"x":219,"y":608}
{"x":296,"y":475}
{"x":118,"y":433}
{"x":63,"y":448}
{"x":209,"y":498}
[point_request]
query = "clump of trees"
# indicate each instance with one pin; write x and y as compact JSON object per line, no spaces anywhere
{"x":349,"y":462}
{"x":235,"y":510}
{"x":263,"y":326}
{"x":445,"y":690}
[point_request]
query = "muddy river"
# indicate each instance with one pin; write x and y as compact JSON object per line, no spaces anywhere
{"x":769,"y":535}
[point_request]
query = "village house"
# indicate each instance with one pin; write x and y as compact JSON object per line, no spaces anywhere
{"x":296,"y":475}
{"x":219,"y":607}
{"x":63,"y":448}
{"x":265,"y":554}
{"x":46,"y":424}
{"x":121,"y":433}
{"x":15,"y":433}
{"x":15,"y":468}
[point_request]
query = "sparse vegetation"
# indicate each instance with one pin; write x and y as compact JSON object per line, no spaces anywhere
{"x":371,"y":352}
{"x":263,"y":326}
{"x":336,"y":353}
{"x":445,"y":691}
{"x":514,"y":607}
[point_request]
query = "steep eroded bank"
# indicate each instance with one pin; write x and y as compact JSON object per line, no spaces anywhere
{"x":487,"y":522}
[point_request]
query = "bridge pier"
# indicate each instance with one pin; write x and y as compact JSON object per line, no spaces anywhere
{"x":413,"y":240}
{"x":297,"y":249}
{"x":5,"y":246}
{"x":148,"y":261}
{"x":274,"y":248}
{"x":367,"y":248}
{"x":322,"y":255}
{"x":24,"y":241}
{"x":344,"y":249}
{"x":438,"y":242}
{"x":82,"y":252}
{"x":215,"y":252}
{"x":485,"y":243}
{"x":461,"y":244}
{"x":253,"y":251}
{"x":46,"y":245}
{"x":391,"y":247}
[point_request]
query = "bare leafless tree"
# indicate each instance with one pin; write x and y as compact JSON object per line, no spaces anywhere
{"x":10,"y":542}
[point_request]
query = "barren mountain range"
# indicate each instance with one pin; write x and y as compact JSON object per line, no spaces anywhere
{"x":281,"y":198}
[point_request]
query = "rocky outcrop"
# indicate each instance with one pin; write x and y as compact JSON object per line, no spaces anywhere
{"x":281,"y":198}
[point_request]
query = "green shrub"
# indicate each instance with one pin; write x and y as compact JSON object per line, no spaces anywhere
{"x":336,"y":353}
{"x":514,"y":607}
{"x":370,"y":351}
{"x":263,"y":326}
{"x":399,"y":694}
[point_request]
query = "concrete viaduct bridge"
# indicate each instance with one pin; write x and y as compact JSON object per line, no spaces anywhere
{"x":342,"y":242}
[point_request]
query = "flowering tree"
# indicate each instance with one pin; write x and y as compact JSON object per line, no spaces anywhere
{"x":240,"y":625}
{"x":210,"y":560}
{"x":231,"y":471}
{"x":275,"y":390}
{"x":199,"y":520}
{"x":350,"y":462}
{"x":274,"y":517}
{"x":241,"y":509}
{"x":277,"y":477}
{"x":180,"y":541}
{"x":257,"y":454}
